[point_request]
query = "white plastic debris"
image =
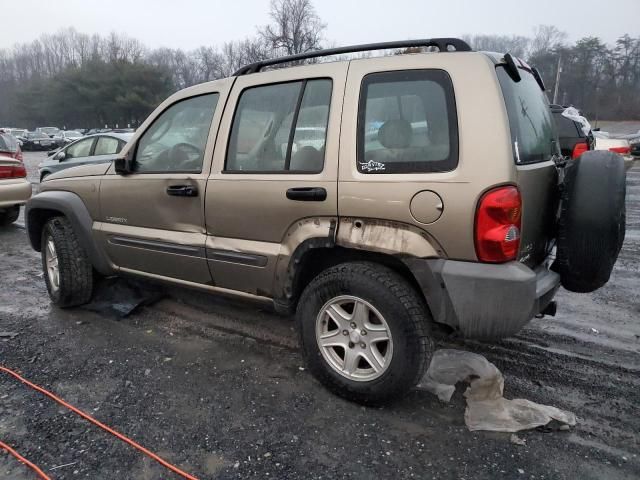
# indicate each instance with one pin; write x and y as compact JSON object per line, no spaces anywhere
{"x":574,"y":114}
{"x":486,"y":408}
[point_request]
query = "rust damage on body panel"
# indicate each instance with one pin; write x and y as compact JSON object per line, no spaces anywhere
{"x":384,"y":236}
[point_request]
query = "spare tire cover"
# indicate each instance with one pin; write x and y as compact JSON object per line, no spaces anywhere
{"x":591,"y":226}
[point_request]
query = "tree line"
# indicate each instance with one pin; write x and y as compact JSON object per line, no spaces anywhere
{"x":77,"y":80}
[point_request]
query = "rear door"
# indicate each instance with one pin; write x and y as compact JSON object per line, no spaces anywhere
{"x":534,"y":140}
{"x":275,"y":165}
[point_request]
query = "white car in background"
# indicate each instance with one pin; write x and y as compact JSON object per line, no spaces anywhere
{"x":603,"y":141}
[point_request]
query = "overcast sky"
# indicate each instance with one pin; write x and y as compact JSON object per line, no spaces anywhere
{"x":188,"y":24}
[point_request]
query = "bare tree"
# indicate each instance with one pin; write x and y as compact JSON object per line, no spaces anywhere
{"x":296,"y":27}
{"x":546,"y":38}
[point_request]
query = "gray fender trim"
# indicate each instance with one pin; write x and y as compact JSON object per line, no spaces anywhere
{"x":71,"y":206}
{"x":486,"y":301}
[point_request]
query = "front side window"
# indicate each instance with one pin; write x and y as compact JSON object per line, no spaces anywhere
{"x":280,"y":128}
{"x":533,"y":131}
{"x":79,"y":149}
{"x":407,"y":123}
{"x":106,"y":146}
{"x":176,"y":140}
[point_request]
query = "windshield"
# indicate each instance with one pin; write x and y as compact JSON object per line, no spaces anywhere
{"x":533,"y":132}
{"x":49,"y":130}
{"x":73,"y":133}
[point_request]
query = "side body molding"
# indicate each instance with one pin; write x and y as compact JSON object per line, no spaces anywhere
{"x":53,"y":203}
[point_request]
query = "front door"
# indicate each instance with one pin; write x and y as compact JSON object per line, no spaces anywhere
{"x":275,"y":167}
{"x":153,"y":219}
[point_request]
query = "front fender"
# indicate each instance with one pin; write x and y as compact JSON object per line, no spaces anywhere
{"x":50,"y":204}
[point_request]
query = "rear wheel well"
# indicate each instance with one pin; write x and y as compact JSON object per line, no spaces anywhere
{"x":317,"y":260}
{"x":35,"y":223}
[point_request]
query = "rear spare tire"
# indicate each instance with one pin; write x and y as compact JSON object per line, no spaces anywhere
{"x":591,"y":227}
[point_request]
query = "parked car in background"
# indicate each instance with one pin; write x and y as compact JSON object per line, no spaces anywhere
{"x":50,"y":131}
{"x":635,"y":146}
{"x":9,"y":146}
{"x":15,"y":189}
{"x":93,"y":149}
{"x":18,"y":132}
{"x":619,"y":145}
{"x":66,"y":137}
{"x":571,"y":134}
{"x":37,"y":141}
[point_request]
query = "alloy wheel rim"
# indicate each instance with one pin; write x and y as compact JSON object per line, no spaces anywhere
{"x":51,"y":260}
{"x":354,"y":338}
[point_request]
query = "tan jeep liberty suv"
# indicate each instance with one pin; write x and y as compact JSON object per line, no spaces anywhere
{"x":373,"y":197}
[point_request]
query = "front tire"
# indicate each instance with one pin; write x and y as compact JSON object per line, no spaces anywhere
{"x":67,"y":270}
{"x":365,"y":332}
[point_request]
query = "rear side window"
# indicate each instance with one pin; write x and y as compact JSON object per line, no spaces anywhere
{"x":533,"y":133}
{"x":407,"y":123}
{"x":280,"y":128}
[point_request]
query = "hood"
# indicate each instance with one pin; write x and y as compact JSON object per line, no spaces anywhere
{"x":90,"y":170}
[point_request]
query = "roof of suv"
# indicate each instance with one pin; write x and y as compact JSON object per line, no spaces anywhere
{"x":442,"y":44}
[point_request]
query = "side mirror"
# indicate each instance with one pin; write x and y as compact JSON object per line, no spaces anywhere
{"x":124,"y":165}
{"x":60,"y":156}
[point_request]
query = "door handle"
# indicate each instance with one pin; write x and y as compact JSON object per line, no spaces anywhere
{"x":307,"y":194}
{"x":182,"y":190}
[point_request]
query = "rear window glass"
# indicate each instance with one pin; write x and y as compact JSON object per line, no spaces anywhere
{"x":566,"y":127}
{"x":533,"y":132}
{"x":407,"y":123}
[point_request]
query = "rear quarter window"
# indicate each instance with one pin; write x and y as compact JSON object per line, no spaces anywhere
{"x":407,"y":123}
{"x":533,"y":132}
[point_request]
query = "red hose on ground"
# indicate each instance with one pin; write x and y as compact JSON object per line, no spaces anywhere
{"x":89,"y":418}
{"x":33,"y":467}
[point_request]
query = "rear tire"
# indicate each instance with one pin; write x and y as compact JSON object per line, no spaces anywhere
{"x":591,"y":229}
{"x":389,"y":304}
{"x":8,"y":216}
{"x":67,"y":270}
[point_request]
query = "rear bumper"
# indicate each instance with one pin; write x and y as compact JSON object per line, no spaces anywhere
{"x":484,"y":300}
{"x":14,"y":192}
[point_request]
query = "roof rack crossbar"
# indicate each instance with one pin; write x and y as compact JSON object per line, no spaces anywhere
{"x":442,"y":44}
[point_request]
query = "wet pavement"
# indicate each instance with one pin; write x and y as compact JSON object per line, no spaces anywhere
{"x":218,"y":388}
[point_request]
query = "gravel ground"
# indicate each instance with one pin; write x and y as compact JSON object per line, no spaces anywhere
{"x":218,"y":388}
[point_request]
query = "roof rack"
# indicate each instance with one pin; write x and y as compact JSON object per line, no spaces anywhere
{"x":442,"y":44}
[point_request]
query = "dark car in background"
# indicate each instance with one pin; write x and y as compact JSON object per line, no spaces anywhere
{"x":37,"y":141}
{"x":9,"y":146}
{"x":573,"y":140}
{"x":93,"y":149}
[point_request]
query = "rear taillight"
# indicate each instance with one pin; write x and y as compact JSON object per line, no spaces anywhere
{"x":12,"y":171}
{"x":579,"y":149}
{"x":498,"y":224}
{"x":621,"y":150}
